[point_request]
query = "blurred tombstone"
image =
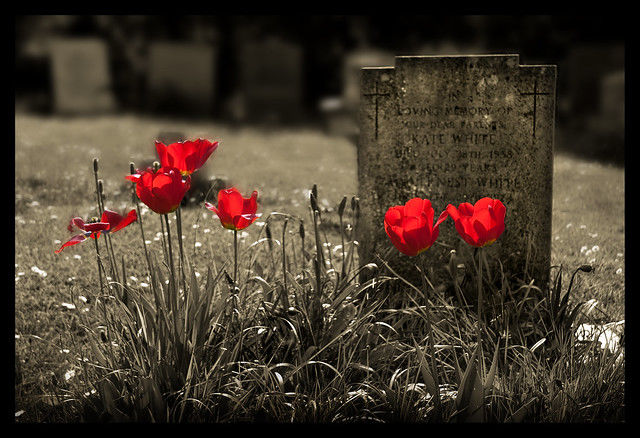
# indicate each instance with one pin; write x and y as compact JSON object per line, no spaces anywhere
{"x":340,"y":114}
{"x":455,"y":129}
{"x":81,"y":76}
{"x":586,"y":66}
{"x":612,"y":100}
{"x":595,"y":105}
{"x":270,"y":81}
{"x":351,"y":70}
{"x":181,"y":78}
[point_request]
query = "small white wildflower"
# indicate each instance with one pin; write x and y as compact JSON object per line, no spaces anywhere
{"x":18,"y":413}
{"x":144,"y":284}
{"x":82,"y":298}
{"x":243,"y":235}
{"x":70,"y":374}
{"x":594,"y":235}
{"x":194,"y":226}
{"x":583,"y":249}
{"x":39,"y":271}
{"x":259,"y":223}
{"x":583,"y":227}
{"x":77,"y":256}
{"x":68,"y":306}
{"x":17,"y":336}
{"x":619,"y":271}
{"x":57,"y":242}
{"x":20,"y":274}
{"x":617,"y":255}
{"x":87,"y":394}
{"x":148,"y":242}
{"x":207,"y":230}
{"x":197,"y":274}
{"x":198,"y":244}
{"x":588,"y":253}
{"x":65,"y":351}
{"x":595,"y":248}
{"x":34,"y":204}
{"x":133,"y":278}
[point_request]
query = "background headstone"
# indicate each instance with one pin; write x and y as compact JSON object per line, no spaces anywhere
{"x":455,"y":129}
{"x":181,"y":77}
{"x":271,"y":80}
{"x":81,"y":76}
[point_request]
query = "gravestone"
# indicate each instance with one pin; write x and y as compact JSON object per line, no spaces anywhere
{"x":81,"y":76}
{"x":271,"y":80}
{"x":181,"y":77}
{"x":455,"y":129}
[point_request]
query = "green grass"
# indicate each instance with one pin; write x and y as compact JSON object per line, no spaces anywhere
{"x":54,"y":182}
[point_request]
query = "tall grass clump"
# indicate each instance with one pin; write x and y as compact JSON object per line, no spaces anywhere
{"x":286,"y":331}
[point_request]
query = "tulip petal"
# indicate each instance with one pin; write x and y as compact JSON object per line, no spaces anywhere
{"x":73,"y":241}
{"x":161,"y":148}
{"x":443,"y":216}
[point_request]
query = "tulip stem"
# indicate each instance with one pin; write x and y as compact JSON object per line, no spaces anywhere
{"x":235,"y":259}
{"x":99,"y":267}
{"x":179,"y":227}
{"x":166,"y":219}
{"x":480,"y":309}
{"x":164,"y":241}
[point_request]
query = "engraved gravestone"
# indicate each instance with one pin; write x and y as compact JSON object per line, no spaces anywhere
{"x":455,"y":129}
{"x":80,"y":76}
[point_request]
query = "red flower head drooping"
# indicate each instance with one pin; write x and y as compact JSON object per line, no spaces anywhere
{"x":480,"y":224}
{"x":410,"y":226}
{"x":161,"y":190}
{"x":110,"y":222}
{"x":234,"y":211}
{"x":187,"y":156}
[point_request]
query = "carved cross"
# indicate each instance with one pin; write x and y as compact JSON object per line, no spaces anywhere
{"x":375,"y":94}
{"x":535,"y":95}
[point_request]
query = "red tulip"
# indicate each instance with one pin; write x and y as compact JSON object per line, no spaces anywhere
{"x":234,"y":211}
{"x":410,"y":226}
{"x":480,"y":224}
{"x":161,"y":191}
{"x":110,"y":222}
{"x":188,"y":156}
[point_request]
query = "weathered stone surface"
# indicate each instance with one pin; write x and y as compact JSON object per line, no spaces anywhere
{"x":181,"y":77}
{"x":454,"y":129}
{"x":81,"y":76}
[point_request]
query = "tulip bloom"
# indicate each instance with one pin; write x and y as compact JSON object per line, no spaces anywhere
{"x":161,"y":191}
{"x":480,"y":224}
{"x":234,"y":211}
{"x":410,"y":226}
{"x":187,"y":156}
{"x":110,"y":222}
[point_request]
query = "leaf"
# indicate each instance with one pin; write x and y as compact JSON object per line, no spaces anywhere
{"x":518,"y":416}
{"x":429,"y":381}
{"x":470,"y":399}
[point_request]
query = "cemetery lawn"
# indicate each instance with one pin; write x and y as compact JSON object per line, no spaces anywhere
{"x":54,"y":182}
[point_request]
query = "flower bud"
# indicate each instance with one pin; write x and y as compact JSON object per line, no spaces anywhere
{"x":302,"y":229}
{"x":95,"y":165}
{"x":132,"y":168}
{"x":156,"y":166}
{"x":343,"y":203}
